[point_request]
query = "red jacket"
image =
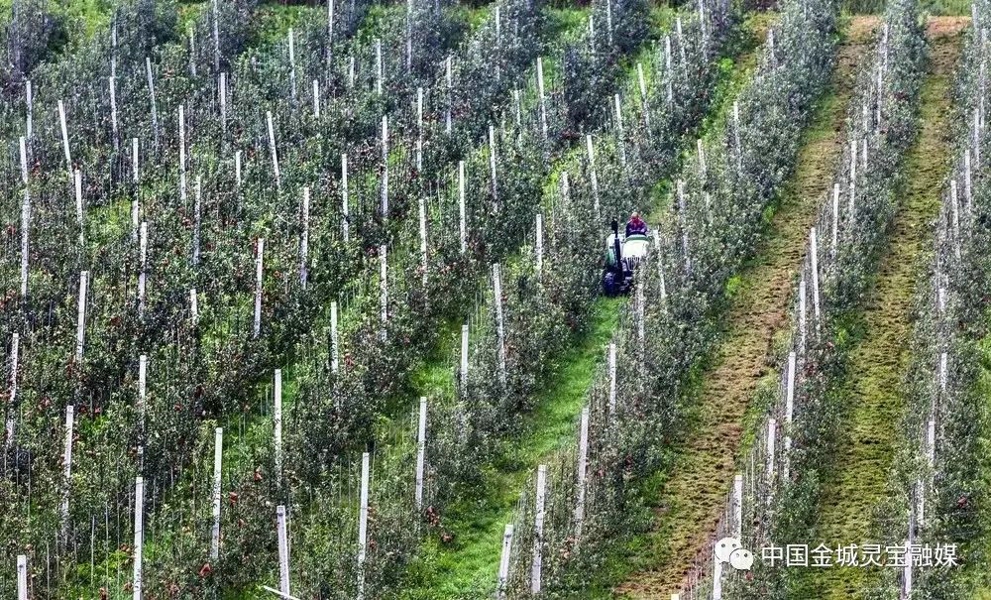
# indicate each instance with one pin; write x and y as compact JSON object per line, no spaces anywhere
{"x":635,"y":226}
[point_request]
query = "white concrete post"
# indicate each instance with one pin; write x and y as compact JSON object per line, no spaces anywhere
{"x":218,"y":453}
{"x":772,"y":425}
{"x":142,"y":389}
{"x":29,"y":103}
{"x":112,"y":84}
{"x":139,"y":530}
{"x":283,"y":535}
{"x":316,"y":99}
{"x":421,"y":451}
{"x":334,"y":360}
{"x":22,"y":577}
{"x":15,"y":344}
{"x":612,"y":378}
{"x":538,"y":529}
{"x":273,"y":150}
{"x":385,"y":167}
{"x":78,"y":185}
{"x":539,"y":247}
{"x":967,"y":182}
{"x":609,"y":27}
{"x":378,"y":67}
{"x":450,"y":93}
{"x":582,"y":471}
{"x":292,"y":65}
{"x":222,"y":93}
{"x":700,"y":150}
{"x":463,"y":217}
{"x":363,"y":524}
{"x":81,"y":316}
{"x":419,"y":129}
{"x":492,"y":167}
{"x":304,"y":239}
{"x":507,"y":546}
{"x":383,"y":291}
{"x":237,"y":168}
{"x":197,"y":219}
{"x":943,"y":372}
{"x":136,"y":201}
{"x":345,"y":226}
{"x":194,"y":307}
{"x":65,"y":136}
{"x":25,"y":220}
{"x":182,"y":153}
{"x":216,"y":36}
{"x":143,"y":275}
{"x":277,"y":422}
{"x":67,"y":469}
{"x":836,"y":219}
{"x":464,"y":359}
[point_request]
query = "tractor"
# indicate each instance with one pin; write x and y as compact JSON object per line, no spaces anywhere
{"x":622,"y":259}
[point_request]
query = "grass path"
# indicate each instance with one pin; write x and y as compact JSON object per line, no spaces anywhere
{"x":466,"y":565}
{"x":871,"y":395}
{"x":692,"y":498}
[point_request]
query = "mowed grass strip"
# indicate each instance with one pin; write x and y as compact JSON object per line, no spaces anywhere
{"x":872,"y":396}
{"x":692,"y":498}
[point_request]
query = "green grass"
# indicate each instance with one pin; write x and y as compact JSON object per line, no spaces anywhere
{"x":465,"y":567}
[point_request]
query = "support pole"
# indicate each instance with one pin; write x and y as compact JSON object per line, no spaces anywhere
{"x":612,"y":379}
{"x":334,"y":352}
{"x":139,"y":530}
{"x":283,"y":535}
{"x":507,"y":546}
{"x":218,"y":453}
{"x":363,"y":524}
{"x":277,"y":422}
{"x":81,"y":316}
{"x":582,"y":471}
{"x":538,"y":530}
{"x":67,"y":470}
{"x":421,"y":450}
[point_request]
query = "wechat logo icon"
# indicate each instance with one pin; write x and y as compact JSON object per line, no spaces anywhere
{"x":730,"y":550}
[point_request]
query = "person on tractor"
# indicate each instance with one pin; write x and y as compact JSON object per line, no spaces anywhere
{"x":636,"y":225}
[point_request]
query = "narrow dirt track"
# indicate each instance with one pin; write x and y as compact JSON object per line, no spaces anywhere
{"x":693,"y":497}
{"x":872,"y":394}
